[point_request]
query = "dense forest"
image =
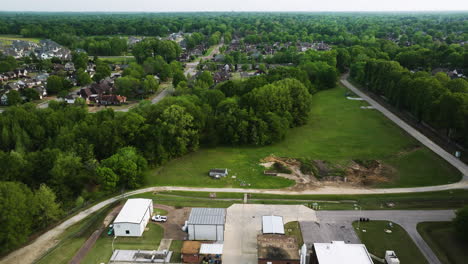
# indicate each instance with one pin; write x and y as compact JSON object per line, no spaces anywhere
{"x":62,"y":157}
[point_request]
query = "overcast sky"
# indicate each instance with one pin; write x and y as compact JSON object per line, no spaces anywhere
{"x":232,"y":5}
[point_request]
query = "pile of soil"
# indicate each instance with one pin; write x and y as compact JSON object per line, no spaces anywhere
{"x":311,"y":172}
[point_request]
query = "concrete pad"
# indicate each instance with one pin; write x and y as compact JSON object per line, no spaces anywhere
{"x":244,"y":223}
{"x":314,"y":232}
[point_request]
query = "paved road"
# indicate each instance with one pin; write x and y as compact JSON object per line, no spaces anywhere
{"x":191,"y":67}
{"x":462,"y":167}
{"x":406,"y":219}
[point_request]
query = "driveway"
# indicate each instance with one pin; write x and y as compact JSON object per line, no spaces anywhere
{"x":244,"y":223}
{"x":175,"y":220}
{"x":406,"y":219}
{"x":316,"y":232}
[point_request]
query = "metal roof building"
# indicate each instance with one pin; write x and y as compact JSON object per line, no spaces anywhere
{"x":338,"y":252}
{"x":206,"y":224}
{"x":272,"y":224}
{"x":133,"y":217}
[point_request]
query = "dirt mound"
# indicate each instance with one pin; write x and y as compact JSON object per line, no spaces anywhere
{"x":310,"y":173}
{"x":366,"y":172}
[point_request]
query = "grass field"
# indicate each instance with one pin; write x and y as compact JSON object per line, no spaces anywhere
{"x":440,"y":236}
{"x":102,"y":250}
{"x":294,"y":229}
{"x":338,"y":131}
{"x":377,"y":241}
{"x":176,"y":248}
{"x":8,"y":39}
{"x":73,"y":238}
{"x":405,"y":201}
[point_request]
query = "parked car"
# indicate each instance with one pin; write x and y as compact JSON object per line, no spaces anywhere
{"x":110,"y":231}
{"x":185,"y":227}
{"x":159,"y":218}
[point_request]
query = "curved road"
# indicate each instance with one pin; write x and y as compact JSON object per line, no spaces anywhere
{"x":44,"y":242}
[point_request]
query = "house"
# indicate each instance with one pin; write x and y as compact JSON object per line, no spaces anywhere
{"x":41,"y":90}
{"x":4,"y":99}
{"x":216,"y":173}
{"x":277,"y":249}
{"x":206,"y":224}
{"x":111,"y":99}
{"x":69,"y":66}
{"x":272,"y":224}
{"x":120,"y":256}
{"x":337,"y":252}
{"x":133,"y":217}
{"x":189,"y":252}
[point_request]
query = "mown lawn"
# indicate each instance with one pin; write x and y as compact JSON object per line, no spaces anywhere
{"x":73,"y":238}
{"x":377,"y":241}
{"x":7,"y":39}
{"x":441,"y":237}
{"x":102,"y":250}
{"x":294,"y":229}
{"x":338,"y":131}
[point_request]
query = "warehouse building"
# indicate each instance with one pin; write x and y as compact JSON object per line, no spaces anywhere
{"x":133,"y":217}
{"x":206,"y":224}
{"x":337,"y":252}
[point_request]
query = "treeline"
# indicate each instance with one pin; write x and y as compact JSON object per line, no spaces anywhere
{"x":81,"y":156}
{"x":23,"y":211}
{"x":436,"y":100}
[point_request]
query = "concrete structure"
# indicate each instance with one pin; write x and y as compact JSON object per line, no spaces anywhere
{"x":391,"y":257}
{"x":244,"y":224}
{"x":277,"y":249}
{"x":189,"y":252}
{"x":337,"y":252}
{"x":133,"y":217}
{"x":272,"y":224}
{"x":206,"y":224}
{"x":140,"y":256}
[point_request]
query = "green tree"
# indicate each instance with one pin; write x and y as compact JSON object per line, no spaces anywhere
{"x":16,"y":201}
{"x":128,"y":165}
{"x":55,"y":84}
{"x":83,"y":77}
{"x":102,"y":71}
{"x":14,"y":98}
{"x":48,"y":210}
{"x":178,"y":77}
{"x":107,"y":178}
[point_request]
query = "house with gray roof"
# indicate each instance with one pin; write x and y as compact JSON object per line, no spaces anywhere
{"x":206,"y":224}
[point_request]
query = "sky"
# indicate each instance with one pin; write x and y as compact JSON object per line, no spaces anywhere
{"x":232,"y":5}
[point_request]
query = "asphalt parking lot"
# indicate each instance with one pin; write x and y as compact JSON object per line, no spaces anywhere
{"x":244,"y":223}
{"x":315,"y":232}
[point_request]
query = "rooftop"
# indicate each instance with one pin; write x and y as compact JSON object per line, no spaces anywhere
{"x":207,"y":216}
{"x":272,"y":224}
{"x":338,"y":252}
{"x":133,"y":211}
{"x":277,"y":247}
{"x":211,"y":249}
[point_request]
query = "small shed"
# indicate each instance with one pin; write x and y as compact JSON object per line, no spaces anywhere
{"x":272,"y":224}
{"x":133,"y":217}
{"x":190,"y":251}
{"x":206,"y":224}
{"x":216,"y":173}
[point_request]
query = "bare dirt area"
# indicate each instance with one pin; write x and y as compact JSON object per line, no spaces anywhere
{"x":310,"y":174}
{"x":176,"y":218}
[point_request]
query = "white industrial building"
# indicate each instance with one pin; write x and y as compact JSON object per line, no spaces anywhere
{"x":272,"y":224}
{"x":133,"y":217}
{"x":206,"y":224}
{"x":337,"y":252}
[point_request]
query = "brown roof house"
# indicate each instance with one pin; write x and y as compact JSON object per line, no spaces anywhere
{"x":277,"y":249}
